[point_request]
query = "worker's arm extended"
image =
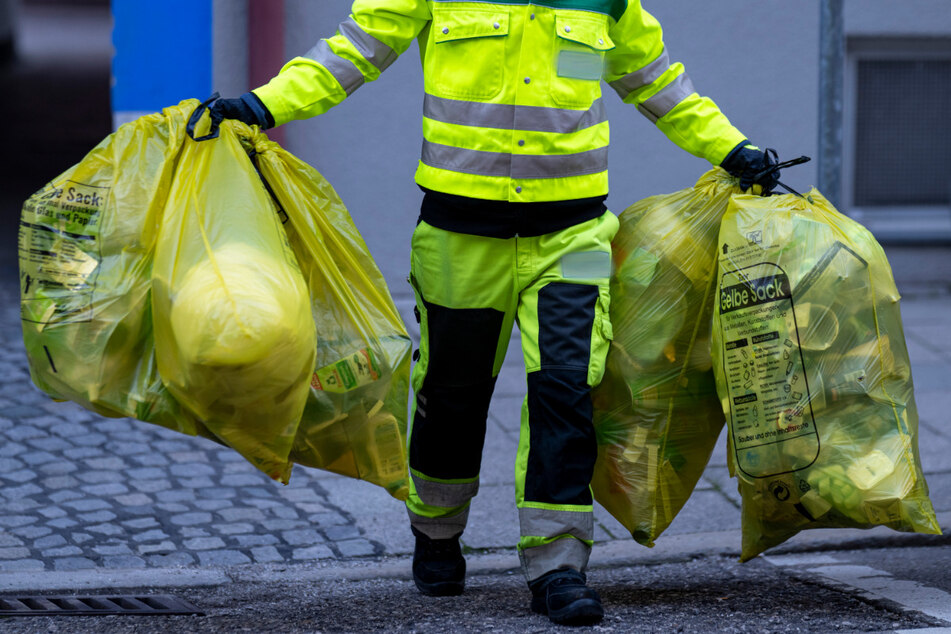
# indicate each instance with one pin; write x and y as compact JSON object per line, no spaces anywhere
{"x":366,"y":43}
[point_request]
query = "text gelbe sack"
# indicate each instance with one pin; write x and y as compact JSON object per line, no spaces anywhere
{"x":813,"y":374}
{"x":234,"y":336}
{"x":86,"y":245}
{"x":656,"y":411}
{"x":354,"y":421}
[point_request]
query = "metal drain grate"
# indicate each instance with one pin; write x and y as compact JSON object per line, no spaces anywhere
{"x":154,"y":604}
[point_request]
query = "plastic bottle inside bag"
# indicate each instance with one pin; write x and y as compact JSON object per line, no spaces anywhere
{"x":387,"y":453}
{"x":348,"y":426}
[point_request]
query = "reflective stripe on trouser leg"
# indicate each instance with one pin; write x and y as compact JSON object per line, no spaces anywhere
{"x":454,"y":378}
{"x":553,"y":539}
{"x":565,"y":328}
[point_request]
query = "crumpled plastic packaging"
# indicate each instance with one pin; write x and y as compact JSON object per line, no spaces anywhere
{"x":656,"y":410}
{"x":354,"y":420}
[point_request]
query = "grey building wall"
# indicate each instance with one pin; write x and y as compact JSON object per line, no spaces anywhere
{"x":230,"y":47}
{"x":890,"y":18}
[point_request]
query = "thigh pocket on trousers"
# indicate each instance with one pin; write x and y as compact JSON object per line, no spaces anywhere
{"x":566,"y":319}
{"x":454,"y":390}
{"x":601,"y":336}
{"x":462,"y":343}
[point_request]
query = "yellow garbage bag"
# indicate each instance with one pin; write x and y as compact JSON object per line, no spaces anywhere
{"x":86,"y":244}
{"x":234,"y":337}
{"x":87,"y":249}
{"x":813,"y":374}
{"x":354,"y":421}
{"x":656,"y":411}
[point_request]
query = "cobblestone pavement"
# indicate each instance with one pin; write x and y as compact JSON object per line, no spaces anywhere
{"x":83,"y":491}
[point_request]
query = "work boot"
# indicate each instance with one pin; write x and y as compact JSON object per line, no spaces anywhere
{"x":438,"y":567}
{"x":564,"y":597}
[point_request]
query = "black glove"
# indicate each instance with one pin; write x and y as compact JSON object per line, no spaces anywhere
{"x":753,"y":166}
{"x":247,"y":108}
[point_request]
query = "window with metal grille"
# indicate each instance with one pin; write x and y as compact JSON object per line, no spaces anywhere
{"x":903,"y":132}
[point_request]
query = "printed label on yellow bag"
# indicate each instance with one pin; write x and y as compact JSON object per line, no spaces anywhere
{"x":358,"y":369}
{"x":59,"y":252}
{"x":770,"y":396}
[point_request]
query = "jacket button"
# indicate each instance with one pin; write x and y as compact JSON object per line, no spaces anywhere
{"x":521,"y":141}
{"x":445,"y":30}
{"x":496,"y":25}
{"x":531,"y":17}
{"x":528,"y":80}
{"x":518,"y":189}
{"x":567,"y":29}
{"x":600,"y":41}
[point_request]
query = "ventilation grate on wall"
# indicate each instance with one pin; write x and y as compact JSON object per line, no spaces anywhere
{"x":903,"y":124}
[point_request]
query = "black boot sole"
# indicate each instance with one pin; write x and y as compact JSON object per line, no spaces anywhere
{"x":580,"y":612}
{"x":440,"y":588}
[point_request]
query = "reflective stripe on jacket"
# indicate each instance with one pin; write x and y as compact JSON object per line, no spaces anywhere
{"x":513,"y":108}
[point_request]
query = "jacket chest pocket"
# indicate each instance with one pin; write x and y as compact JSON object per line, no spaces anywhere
{"x":578,"y":60}
{"x":466,"y":56}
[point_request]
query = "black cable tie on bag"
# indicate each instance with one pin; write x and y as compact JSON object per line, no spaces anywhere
{"x":196,"y":116}
{"x":789,"y":189}
{"x":773,"y":165}
{"x":281,"y":214}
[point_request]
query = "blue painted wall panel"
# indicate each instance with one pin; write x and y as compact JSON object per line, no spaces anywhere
{"x":163,"y":53}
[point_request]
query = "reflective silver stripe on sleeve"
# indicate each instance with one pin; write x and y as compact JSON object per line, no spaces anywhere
{"x":375,"y":51}
{"x":526,"y":166}
{"x":669,"y":96}
{"x":343,"y":70}
{"x":643,"y":77}
{"x":511,"y":117}
{"x":447,"y":495}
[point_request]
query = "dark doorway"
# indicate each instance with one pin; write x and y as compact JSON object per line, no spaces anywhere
{"x":55,"y":106}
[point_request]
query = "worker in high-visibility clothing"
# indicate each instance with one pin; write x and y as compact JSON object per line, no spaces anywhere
{"x":513,"y":229}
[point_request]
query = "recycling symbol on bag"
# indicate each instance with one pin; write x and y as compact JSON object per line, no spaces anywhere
{"x":779,"y":490}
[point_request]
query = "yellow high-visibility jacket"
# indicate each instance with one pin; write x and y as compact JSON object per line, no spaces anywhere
{"x":513,"y":107}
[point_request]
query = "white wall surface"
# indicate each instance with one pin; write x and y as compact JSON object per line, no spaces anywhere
{"x":757,"y":60}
